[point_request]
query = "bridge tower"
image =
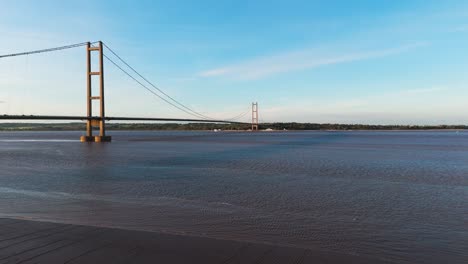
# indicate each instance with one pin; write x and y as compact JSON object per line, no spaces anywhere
{"x":92,"y":121}
{"x":255,"y":116}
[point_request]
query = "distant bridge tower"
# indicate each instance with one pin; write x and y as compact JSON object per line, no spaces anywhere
{"x":255,"y":116}
{"x":100,"y":121}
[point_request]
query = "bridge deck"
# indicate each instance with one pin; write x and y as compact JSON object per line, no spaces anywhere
{"x":40,"y":242}
{"x":110,"y":118}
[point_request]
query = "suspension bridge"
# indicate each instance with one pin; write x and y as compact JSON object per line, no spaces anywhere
{"x":99,"y":120}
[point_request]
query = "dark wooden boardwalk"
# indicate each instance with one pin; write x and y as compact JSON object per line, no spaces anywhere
{"x":24,"y":241}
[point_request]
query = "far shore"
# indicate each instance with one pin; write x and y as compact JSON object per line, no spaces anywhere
{"x":216,"y":127}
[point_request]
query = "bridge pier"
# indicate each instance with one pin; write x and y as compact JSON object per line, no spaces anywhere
{"x":97,"y":139}
{"x":91,"y":121}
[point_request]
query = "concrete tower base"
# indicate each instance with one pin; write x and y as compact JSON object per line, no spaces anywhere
{"x":102,"y":139}
{"x":96,"y":139}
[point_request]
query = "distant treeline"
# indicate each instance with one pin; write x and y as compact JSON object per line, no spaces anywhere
{"x":211,"y":126}
{"x":314,"y":126}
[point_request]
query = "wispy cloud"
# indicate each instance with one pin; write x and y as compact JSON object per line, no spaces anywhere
{"x":299,"y":60}
{"x":420,"y":91}
{"x":375,"y":101}
{"x":412,"y":105}
{"x":462,"y":28}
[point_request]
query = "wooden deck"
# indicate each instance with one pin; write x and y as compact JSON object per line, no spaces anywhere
{"x":24,"y":241}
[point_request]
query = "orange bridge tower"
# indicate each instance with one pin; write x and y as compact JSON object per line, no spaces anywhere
{"x":91,"y":120}
{"x":255,"y":116}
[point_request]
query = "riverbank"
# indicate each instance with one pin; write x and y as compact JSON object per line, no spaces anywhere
{"x":221,"y":127}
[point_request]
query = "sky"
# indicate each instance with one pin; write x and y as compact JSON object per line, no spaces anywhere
{"x":362,"y":61}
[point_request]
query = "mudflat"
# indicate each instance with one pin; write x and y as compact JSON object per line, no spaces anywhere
{"x":24,"y":241}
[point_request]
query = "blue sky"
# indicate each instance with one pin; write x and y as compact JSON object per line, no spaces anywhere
{"x":375,"y":62}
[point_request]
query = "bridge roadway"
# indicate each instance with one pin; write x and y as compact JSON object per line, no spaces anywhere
{"x":108,"y":118}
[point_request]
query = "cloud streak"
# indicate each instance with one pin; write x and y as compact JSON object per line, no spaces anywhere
{"x":296,"y":61}
{"x":424,"y":105}
{"x":463,"y":28}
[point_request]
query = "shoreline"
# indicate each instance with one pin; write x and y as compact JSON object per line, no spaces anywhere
{"x":243,"y":131}
{"x":217,"y":127}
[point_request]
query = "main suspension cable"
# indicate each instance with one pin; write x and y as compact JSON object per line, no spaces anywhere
{"x":174,"y":102}
{"x":44,"y":50}
{"x":238,"y":116}
{"x":155,"y":87}
{"x":147,"y":88}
